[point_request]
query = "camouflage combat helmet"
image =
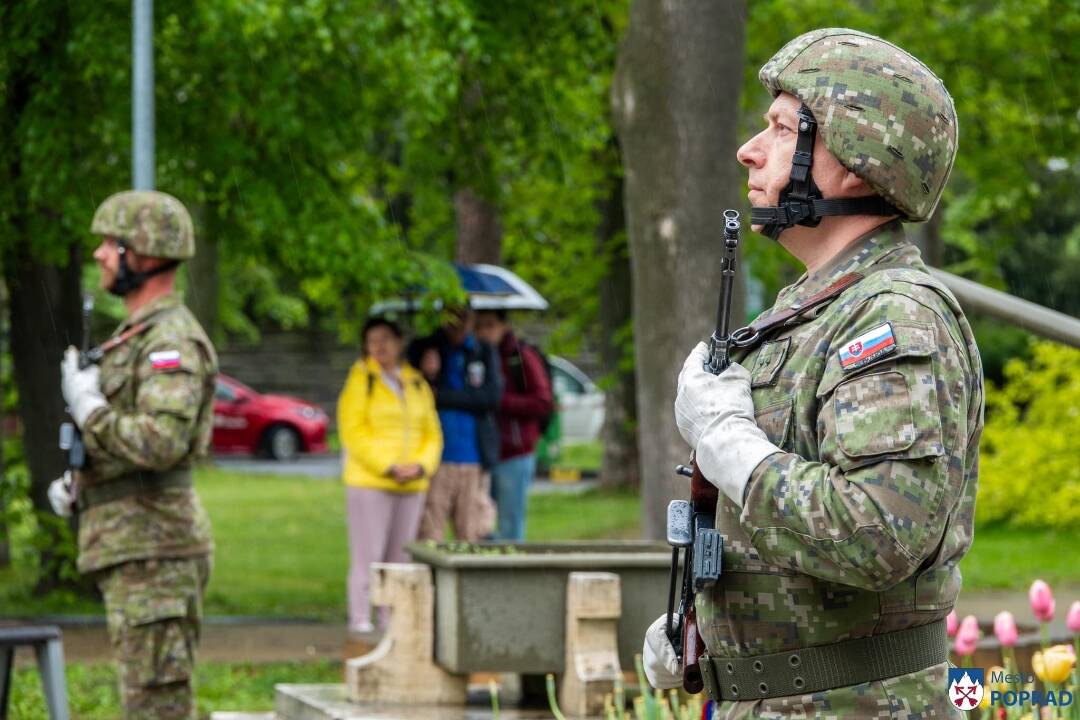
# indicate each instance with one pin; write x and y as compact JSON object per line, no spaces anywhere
{"x":151,"y":223}
{"x":883,"y":114}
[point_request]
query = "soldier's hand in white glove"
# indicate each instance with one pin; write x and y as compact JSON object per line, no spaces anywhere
{"x":715,"y":415}
{"x":60,"y":495}
{"x":81,"y":387}
{"x":662,"y":668}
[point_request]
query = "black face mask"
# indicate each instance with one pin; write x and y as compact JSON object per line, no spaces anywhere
{"x":800,"y":201}
{"x":128,"y":280}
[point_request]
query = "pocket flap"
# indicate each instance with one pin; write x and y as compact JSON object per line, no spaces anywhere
{"x":155,"y":610}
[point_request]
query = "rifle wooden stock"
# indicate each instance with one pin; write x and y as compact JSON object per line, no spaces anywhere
{"x":693,"y":647}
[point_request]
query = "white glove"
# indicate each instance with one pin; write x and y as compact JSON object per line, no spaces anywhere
{"x":662,"y":668}
{"x":60,"y":496}
{"x":715,"y":415}
{"x":81,"y":388}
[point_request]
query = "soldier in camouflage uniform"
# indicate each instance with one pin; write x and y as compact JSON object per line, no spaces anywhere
{"x":145,"y":416}
{"x":844,"y":441}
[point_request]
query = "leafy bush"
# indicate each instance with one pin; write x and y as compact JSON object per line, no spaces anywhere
{"x":1029,"y":476}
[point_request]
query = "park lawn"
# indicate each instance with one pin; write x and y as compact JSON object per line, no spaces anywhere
{"x":282,"y":551}
{"x":93,"y":693}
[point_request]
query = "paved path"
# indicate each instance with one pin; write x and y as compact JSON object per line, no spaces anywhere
{"x":254,"y":640}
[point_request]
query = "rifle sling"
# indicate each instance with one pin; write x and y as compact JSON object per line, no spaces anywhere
{"x":131,"y":485}
{"x":749,"y":335}
{"x":825,"y":667}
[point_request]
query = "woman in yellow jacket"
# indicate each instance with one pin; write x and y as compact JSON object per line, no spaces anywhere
{"x":390,"y":433}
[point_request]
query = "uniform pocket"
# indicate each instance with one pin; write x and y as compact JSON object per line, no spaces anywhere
{"x":770,"y":360}
{"x":159,"y":639}
{"x":888,"y":414}
{"x":775,"y":421}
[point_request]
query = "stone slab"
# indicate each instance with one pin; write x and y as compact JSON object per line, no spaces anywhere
{"x":328,"y":702}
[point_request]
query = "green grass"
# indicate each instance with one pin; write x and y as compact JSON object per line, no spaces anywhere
{"x":583,"y":456}
{"x":282,"y":550}
{"x":93,"y":691}
{"x":1002,"y":558}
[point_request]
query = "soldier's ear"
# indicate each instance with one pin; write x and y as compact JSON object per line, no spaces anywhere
{"x":851,"y":185}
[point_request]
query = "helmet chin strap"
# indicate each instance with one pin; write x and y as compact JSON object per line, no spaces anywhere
{"x":800,"y":201}
{"x":128,"y":280}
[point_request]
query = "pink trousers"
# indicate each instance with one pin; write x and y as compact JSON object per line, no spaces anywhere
{"x":380,"y":525}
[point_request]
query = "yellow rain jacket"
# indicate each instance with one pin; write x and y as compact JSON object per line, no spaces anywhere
{"x":379,"y":428}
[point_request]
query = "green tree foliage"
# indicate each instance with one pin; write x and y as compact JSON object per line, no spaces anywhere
{"x":1028,"y":473}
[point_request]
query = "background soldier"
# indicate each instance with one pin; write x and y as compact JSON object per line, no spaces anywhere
{"x":145,"y":416}
{"x":845,"y":444}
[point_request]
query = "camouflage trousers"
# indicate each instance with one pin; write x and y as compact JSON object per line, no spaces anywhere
{"x":916,"y":696}
{"x":154,"y":610}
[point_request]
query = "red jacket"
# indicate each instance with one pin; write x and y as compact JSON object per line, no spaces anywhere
{"x":526,"y":397}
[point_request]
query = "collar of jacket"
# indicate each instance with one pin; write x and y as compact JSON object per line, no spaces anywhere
{"x":163,"y":302}
{"x":884,"y":241}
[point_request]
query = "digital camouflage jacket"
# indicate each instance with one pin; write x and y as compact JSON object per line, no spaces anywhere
{"x":159,"y":385}
{"x":858,"y":527}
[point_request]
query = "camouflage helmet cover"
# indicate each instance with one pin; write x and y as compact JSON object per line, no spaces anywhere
{"x":151,"y":223}
{"x":883,"y":114}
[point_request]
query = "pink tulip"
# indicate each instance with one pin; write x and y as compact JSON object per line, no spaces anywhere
{"x":964,"y":645}
{"x":951,"y":624}
{"x":1073,"y":618}
{"x":1042,"y":601}
{"x":1005,"y":628}
{"x":969,"y":629}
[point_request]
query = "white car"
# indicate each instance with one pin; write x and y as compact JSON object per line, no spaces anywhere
{"x":580,"y":402}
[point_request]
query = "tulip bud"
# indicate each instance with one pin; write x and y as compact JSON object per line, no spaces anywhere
{"x":964,"y":644}
{"x":1042,"y":601}
{"x":1054,"y":664}
{"x":1073,"y":618}
{"x":951,"y":624}
{"x":969,"y":629}
{"x":1005,"y":628}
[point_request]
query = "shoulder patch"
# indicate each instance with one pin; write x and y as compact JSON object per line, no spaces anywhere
{"x":165,"y":359}
{"x":868,"y":347}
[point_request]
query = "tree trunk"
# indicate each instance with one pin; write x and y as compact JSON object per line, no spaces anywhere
{"x":619,"y":466}
{"x":202,"y":274}
{"x":675,"y":102}
{"x":479,"y":232}
{"x":45,"y":319}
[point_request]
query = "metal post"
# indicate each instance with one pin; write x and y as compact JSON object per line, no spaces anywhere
{"x":1010,"y":309}
{"x":142,"y":95}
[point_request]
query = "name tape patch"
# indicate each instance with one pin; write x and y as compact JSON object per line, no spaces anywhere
{"x":165,"y":359}
{"x":868,"y":347}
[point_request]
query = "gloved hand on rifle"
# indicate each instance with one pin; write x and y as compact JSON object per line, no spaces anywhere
{"x":662,"y":667}
{"x":81,"y":387}
{"x":715,"y":415}
{"x":60,"y":495}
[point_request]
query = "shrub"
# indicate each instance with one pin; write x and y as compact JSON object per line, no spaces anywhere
{"x":1029,"y":474}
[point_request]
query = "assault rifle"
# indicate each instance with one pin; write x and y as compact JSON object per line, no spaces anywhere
{"x":691,"y":524}
{"x":71,"y":440}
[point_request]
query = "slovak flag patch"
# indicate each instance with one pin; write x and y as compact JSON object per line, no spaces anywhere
{"x":867,"y":347}
{"x":165,"y":359}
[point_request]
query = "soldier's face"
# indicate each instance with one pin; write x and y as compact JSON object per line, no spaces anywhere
{"x":107,"y":256}
{"x":767,"y":156}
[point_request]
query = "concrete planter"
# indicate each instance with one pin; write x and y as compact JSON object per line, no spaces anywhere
{"x":506,"y":612}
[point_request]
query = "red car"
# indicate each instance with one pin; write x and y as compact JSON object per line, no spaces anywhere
{"x":274,"y":426}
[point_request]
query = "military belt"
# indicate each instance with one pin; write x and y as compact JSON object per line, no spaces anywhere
{"x":825,"y":667}
{"x":133,"y":484}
